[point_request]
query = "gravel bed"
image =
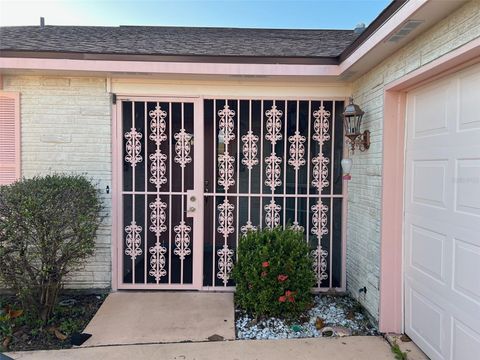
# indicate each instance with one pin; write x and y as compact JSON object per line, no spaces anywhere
{"x":330,"y":316}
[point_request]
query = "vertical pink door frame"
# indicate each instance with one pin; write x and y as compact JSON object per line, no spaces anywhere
{"x":391,"y":264}
{"x":115,"y":192}
{"x":198,"y":153}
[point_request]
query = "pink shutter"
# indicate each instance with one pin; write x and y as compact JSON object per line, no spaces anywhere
{"x":9,"y":137}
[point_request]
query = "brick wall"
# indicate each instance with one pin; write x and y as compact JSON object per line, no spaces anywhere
{"x":66,"y":127}
{"x":364,"y":205}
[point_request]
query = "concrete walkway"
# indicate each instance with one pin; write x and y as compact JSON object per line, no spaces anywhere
{"x":350,"y":348}
{"x":161,"y":317}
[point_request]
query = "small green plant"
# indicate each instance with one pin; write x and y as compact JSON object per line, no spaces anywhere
{"x":47,"y":230}
{"x":274,"y":274}
{"x":69,"y":326}
{"x":9,"y":319}
{"x":6,"y":327}
{"x":399,"y":355}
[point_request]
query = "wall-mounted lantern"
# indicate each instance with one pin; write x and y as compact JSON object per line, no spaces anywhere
{"x":352,"y":121}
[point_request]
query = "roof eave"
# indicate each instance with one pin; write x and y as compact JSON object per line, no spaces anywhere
{"x":124,"y":67}
{"x":293,"y":60}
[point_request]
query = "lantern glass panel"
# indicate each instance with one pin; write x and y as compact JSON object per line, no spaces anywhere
{"x":348,"y":124}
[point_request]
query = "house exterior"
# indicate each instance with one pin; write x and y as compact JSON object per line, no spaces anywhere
{"x":196,"y":135}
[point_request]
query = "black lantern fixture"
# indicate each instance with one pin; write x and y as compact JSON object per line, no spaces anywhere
{"x":352,"y":120}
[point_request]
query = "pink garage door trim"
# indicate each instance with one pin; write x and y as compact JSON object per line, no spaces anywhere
{"x":391,"y":267}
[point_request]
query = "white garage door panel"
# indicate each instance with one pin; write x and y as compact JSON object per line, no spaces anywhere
{"x":466,"y":342}
{"x":427,"y":320}
{"x":466,"y":279}
{"x":467,"y":199}
{"x":469,"y":91}
{"x":442,"y":217}
{"x":431,"y":111}
{"x":427,"y":253}
{"x":429,"y":182}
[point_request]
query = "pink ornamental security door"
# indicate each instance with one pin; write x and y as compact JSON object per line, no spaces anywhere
{"x":272,"y":163}
{"x":197,"y":174}
{"x":161,"y":241}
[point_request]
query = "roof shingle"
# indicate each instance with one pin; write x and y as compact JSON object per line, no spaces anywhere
{"x":179,"y":41}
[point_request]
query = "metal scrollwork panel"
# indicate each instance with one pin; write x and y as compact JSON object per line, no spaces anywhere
{"x":133,"y":240}
{"x":297,"y":150}
{"x":274,"y":125}
{"x":250,"y":150}
{"x":157,"y":237}
{"x":321,"y":125}
{"x":273,"y":171}
{"x":272,"y":163}
{"x":225,"y":263}
{"x":272,"y":214}
{"x":133,"y":147}
{"x":158,"y":160}
{"x":183,"y":148}
{"x":182,"y":240}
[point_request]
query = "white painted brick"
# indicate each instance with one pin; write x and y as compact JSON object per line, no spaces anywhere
{"x":79,"y":109}
{"x":56,"y":82}
{"x":364,"y":203}
{"x":66,"y":124}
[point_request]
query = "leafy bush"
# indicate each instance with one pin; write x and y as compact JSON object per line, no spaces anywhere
{"x":47,"y":229}
{"x":274,"y":274}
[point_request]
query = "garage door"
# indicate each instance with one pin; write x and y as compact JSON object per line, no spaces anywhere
{"x":442,"y":217}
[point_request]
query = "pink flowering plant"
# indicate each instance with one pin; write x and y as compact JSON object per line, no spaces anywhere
{"x":274,"y":273}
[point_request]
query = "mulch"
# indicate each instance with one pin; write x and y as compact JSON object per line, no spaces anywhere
{"x":71,"y":315}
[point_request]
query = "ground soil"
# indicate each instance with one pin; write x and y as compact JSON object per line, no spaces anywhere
{"x":71,"y":315}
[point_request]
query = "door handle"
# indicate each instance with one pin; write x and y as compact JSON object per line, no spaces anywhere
{"x":191,"y":203}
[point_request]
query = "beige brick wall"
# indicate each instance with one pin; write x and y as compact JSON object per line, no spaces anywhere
{"x":66,"y":127}
{"x":364,"y":205}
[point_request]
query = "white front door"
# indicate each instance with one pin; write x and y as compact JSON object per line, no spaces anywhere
{"x":442,"y":217}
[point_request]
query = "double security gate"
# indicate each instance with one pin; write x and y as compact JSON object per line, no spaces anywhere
{"x":197,"y":174}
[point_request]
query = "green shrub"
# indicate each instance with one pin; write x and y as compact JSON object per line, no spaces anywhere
{"x":47,"y":229}
{"x":274,"y":274}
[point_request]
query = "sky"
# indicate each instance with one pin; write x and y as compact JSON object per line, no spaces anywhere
{"x":301,"y":14}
